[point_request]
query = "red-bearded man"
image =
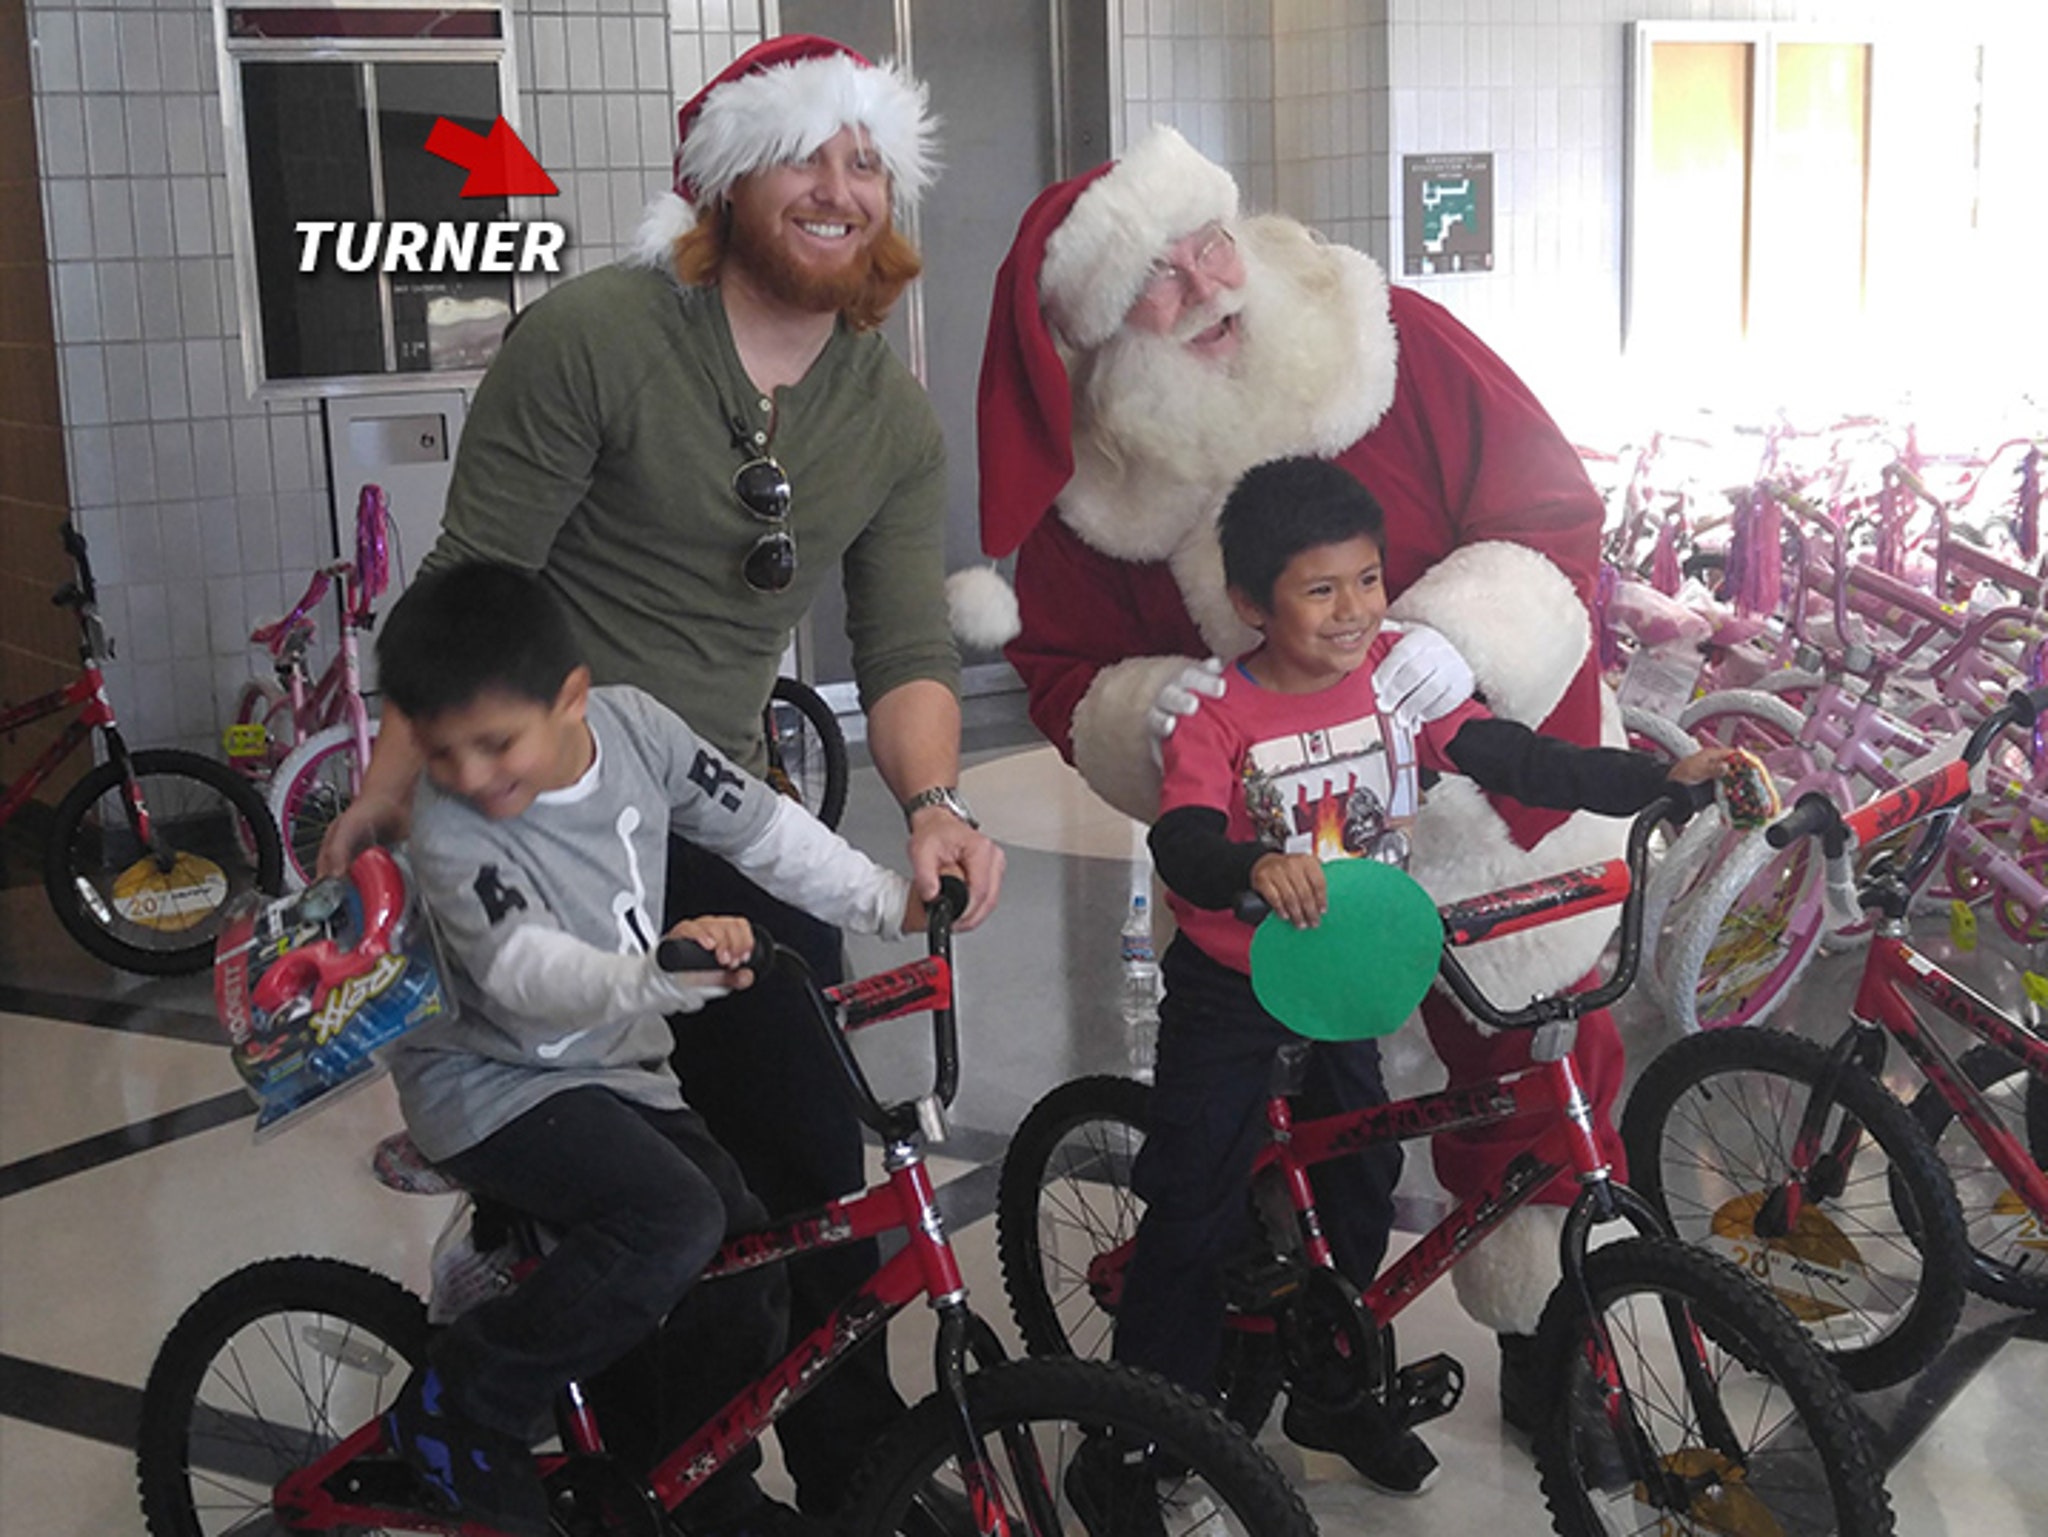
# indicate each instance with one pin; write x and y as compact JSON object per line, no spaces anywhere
{"x":1148,"y":345}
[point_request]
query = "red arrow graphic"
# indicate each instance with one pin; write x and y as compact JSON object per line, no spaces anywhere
{"x":498,"y":164}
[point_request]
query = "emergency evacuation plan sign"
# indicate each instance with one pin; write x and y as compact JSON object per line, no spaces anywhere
{"x":1446,"y":214}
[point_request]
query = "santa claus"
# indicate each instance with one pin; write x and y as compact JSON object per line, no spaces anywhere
{"x":1148,"y":345}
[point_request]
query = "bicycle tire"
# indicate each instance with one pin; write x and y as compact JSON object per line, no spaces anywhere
{"x":1806,"y":1465}
{"x":312,"y":787}
{"x":807,"y":746}
{"x":2008,"y":1243}
{"x":1743,"y":936}
{"x":130,"y":907}
{"x":1875,"y":1271}
{"x":266,"y":1370}
{"x":1210,"y":1476}
{"x":1063,"y":1199}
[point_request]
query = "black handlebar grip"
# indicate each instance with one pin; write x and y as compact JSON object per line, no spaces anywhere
{"x":952,"y":897}
{"x":1814,"y":813}
{"x":1249,"y":907}
{"x":688,"y":955}
{"x":2029,"y":705}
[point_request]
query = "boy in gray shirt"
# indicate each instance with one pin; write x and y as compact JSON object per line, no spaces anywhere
{"x":539,"y":844}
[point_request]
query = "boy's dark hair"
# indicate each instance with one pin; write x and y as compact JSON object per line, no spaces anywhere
{"x":465,"y":631}
{"x":1283,"y":507}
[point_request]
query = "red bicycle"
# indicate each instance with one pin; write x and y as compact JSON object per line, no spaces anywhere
{"x":1686,"y":1400}
{"x":1797,"y":1157}
{"x":149,"y":849}
{"x":263,"y":1408}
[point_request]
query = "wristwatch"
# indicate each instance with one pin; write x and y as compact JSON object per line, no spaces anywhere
{"x":939,"y":795}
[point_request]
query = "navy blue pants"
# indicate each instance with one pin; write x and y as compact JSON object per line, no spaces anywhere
{"x":1216,"y":1049}
{"x":640,"y":1198}
{"x":754,"y":1065}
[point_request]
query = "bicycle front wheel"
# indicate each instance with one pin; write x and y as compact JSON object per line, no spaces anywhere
{"x":2008,"y":1240}
{"x":267,"y":1370}
{"x":1695,"y":1406}
{"x":1873,"y":1263}
{"x":1066,"y":1218}
{"x":1081,"y":1447}
{"x":807,"y":749}
{"x":309,"y":790}
{"x":1743,"y":936}
{"x":146,"y":883}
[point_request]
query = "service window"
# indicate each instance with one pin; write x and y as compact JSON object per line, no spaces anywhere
{"x":338,"y":205}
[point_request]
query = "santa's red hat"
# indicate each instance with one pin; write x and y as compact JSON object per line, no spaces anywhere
{"x":1082,"y":255}
{"x":778,"y":102}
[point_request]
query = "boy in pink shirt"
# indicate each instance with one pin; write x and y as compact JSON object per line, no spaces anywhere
{"x":1292,"y":766}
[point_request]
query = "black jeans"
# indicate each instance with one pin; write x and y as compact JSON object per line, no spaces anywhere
{"x":1216,"y":1049}
{"x":640,"y":1198}
{"x":754,"y":1066}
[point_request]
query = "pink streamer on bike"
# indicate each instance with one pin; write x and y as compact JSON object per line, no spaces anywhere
{"x":1667,"y":573}
{"x":373,"y":544}
{"x":1611,"y":655}
{"x":2026,"y":528}
{"x":1754,"y":556}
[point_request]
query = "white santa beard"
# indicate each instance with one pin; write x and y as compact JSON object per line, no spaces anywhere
{"x":1157,"y":412}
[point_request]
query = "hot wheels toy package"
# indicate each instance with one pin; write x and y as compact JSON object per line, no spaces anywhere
{"x":309,"y":987}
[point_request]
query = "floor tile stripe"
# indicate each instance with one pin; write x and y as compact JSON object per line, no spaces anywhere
{"x":123,"y":1142}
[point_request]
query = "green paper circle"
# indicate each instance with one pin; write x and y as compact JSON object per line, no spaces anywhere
{"x":1362,"y":970}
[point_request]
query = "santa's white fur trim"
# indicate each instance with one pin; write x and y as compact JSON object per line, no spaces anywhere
{"x":1096,"y":262}
{"x":1513,"y":615}
{"x":785,"y":111}
{"x":1504,"y":1282}
{"x":663,"y":222}
{"x":1112,"y":746}
{"x":982,"y":608}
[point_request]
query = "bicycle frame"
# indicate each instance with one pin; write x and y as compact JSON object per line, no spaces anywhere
{"x":1895,"y":973}
{"x":1549,"y":1088}
{"x":88,"y":694}
{"x":926,"y":1267}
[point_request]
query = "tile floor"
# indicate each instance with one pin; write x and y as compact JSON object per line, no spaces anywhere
{"x":128,"y":1182}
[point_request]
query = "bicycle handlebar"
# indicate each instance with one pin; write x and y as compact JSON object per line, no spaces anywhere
{"x":925,"y":984}
{"x":1552,"y":900}
{"x":1939,"y":795}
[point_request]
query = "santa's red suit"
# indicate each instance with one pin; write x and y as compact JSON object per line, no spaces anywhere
{"x":1492,"y":538}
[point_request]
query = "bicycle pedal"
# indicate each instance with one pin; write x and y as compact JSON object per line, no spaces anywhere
{"x":1263,"y":1285}
{"x":1428,"y":1389}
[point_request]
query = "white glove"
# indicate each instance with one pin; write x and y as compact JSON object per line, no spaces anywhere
{"x":1423,"y":677}
{"x":1182,"y":695}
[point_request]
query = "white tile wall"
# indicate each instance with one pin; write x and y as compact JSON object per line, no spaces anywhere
{"x":208,"y":510}
{"x":1311,"y":103}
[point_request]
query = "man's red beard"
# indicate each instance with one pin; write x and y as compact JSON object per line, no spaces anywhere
{"x":772,"y":265}
{"x":1152,"y":408}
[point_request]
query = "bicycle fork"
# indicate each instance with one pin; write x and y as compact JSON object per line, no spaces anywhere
{"x":1821,"y":1172}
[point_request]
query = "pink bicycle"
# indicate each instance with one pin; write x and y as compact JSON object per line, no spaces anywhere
{"x":324,"y":721}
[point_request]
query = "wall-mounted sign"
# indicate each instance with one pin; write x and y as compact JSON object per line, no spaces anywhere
{"x":1446,"y":214}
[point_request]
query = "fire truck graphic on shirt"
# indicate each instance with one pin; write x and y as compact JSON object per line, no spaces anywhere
{"x":1340,"y":792}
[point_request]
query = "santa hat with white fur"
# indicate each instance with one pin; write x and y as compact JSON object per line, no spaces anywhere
{"x":778,"y":102}
{"x":1083,"y":252}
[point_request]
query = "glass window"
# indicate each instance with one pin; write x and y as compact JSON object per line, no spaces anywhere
{"x":331,"y":115}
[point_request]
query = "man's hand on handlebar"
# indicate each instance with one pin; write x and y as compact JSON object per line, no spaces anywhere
{"x":940,"y":843}
{"x":1293,"y":886}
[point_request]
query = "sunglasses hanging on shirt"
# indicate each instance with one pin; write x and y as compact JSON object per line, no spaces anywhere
{"x":763,"y":489}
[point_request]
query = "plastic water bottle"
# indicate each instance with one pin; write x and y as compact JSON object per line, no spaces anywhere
{"x":1138,"y":998}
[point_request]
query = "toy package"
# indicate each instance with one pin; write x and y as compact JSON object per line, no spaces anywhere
{"x":310,"y":986}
